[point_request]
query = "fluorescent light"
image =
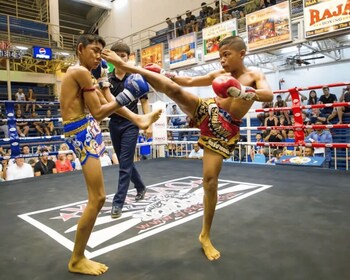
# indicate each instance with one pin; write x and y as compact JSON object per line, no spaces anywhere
{"x":65,"y":53}
{"x":21,"y":48}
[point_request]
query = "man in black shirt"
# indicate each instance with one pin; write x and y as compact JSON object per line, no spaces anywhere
{"x":326,"y":98}
{"x":45,"y":165}
{"x":124,"y":135}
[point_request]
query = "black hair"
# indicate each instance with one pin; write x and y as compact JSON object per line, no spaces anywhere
{"x":235,"y":42}
{"x":87,"y":39}
{"x":121,"y":47}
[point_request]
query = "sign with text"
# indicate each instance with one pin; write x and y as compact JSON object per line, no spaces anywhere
{"x":159,"y":128}
{"x":268,"y":27}
{"x":42,"y":53}
{"x":153,"y":54}
{"x":213,"y":35}
{"x":182,"y":50}
{"x":325,"y":16}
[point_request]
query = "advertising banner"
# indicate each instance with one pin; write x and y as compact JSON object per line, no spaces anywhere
{"x":153,"y":54}
{"x":182,"y":50}
{"x":268,"y":27}
{"x":213,"y":35}
{"x":325,"y":16}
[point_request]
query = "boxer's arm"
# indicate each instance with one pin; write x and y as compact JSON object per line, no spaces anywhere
{"x":263,"y":90}
{"x":198,"y":81}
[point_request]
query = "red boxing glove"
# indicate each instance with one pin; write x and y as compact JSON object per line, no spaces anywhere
{"x":157,"y":69}
{"x":227,"y":86}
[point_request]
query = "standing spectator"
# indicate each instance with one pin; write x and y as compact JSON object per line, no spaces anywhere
{"x":3,"y":125}
{"x":321,"y":135}
{"x":124,"y":136}
{"x":179,"y":25}
{"x":45,"y":165}
{"x":19,"y":170}
{"x":196,"y":152}
{"x":20,"y":96}
{"x":171,"y":28}
{"x":191,"y":24}
{"x":327,"y":98}
{"x":22,"y":126}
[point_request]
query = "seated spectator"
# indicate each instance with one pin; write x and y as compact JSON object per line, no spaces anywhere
{"x":3,"y":125}
{"x":22,"y":126}
{"x":191,"y":24}
{"x":45,"y":165}
{"x":271,"y":120}
{"x":19,"y":170}
{"x":49,"y":124}
{"x":280,"y":103}
{"x":317,"y":116}
{"x":179,"y":25}
{"x":176,"y":121}
{"x":289,"y":150}
{"x":171,"y":28}
{"x":277,"y":154}
{"x":20,"y":96}
{"x":105,"y":159}
{"x":274,"y":136}
{"x":321,"y":135}
{"x":30,"y":97}
{"x":212,"y":18}
{"x":26,"y":152}
{"x":327,"y":98}
{"x":261,"y":116}
{"x":196,"y":152}
{"x":309,"y":151}
{"x":345,"y":97}
{"x":203,"y":14}
{"x":145,"y":150}
{"x":74,"y":161}
{"x":63,"y":164}
{"x":40,"y":126}
{"x":257,"y":149}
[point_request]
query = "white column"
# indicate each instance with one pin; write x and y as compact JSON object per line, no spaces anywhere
{"x":54,"y":27}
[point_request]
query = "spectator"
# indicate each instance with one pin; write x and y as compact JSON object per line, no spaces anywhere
{"x":277,"y":154}
{"x":261,"y":117}
{"x":171,"y":28}
{"x":145,"y":150}
{"x":345,"y":97}
{"x":321,"y":135}
{"x":271,"y":120}
{"x":176,"y":121}
{"x":40,"y":126}
{"x":26,"y":152}
{"x":105,"y":159}
{"x":196,"y":152}
{"x":19,"y":170}
{"x":45,"y":165}
{"x":212,"y":18}
{"x":74,"y":161}
{"x":3,"y":125}
{"x":49,"y":124}
{"x":22,"y":126}
{"x":313,"y":99}
{"x":257,"y":149}
{"x":203,"y":14}
{"x":327,"y":98}
{"x":191,"y":24}
{"x":274,"y":136}
{"x":63,"y":164}
{"x":280,"y":103}
{"x":20,"y":96}
{"x":289,"y":150}
{"x":316,"y":116}
{"x":179,"y":25}
{"x":309,"y":151}
{"x":30,"y":97}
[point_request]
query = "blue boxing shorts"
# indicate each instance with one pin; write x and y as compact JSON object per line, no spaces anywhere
{"x":83,"y":136}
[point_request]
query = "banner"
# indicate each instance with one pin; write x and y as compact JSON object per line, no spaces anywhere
{"x":182,"y":50}
{"x":213,"y":35}
{"x":153,"y":54}
{"x":268,"y":27}
{"x":325,"y":16}
{"x":159,"y":128}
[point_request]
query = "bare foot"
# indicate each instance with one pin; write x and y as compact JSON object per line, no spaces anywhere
{"x":146,"y":120}
{"x":208,"y":248}
{"x":85,"y":266}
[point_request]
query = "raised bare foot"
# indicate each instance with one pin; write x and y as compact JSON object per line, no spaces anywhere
{"x":85,"y":266}
{"x":146,"y":120}
{"x":210,"y":252}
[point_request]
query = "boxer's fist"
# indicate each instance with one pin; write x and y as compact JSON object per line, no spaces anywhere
{"x":227,"y":86}
{"x":135,"y":86}
{"x":157,"y":69}
{"x":101,"y":74}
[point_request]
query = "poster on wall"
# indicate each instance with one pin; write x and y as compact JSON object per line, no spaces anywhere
{"x":325,"y":16}
{"x":182,"y":50}
{"x":213,"y":35}
{"x":152,"y":54}
{"x":268,"y":27}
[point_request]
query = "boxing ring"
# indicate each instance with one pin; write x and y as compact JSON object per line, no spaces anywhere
{"x":271,"y":222}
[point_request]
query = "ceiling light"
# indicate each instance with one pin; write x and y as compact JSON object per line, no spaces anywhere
{"x":21,"y":48}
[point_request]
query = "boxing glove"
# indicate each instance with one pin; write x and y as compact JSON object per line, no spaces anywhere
{"x":157,"y":69}
{"x":135,"y":86}
{"x":227,"y":86}
{"x":100,"y":73}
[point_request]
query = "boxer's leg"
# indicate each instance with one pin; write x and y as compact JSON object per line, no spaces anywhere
{"x":96,"y":197}
{"x":212,"y":163}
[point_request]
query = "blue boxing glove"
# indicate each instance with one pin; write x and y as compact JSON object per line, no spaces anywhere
{"x":101,"y":74}
{"x":135,"y":86}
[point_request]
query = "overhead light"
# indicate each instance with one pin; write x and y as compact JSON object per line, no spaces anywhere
{"x":21,"y":48}
{"x":64,"y":53}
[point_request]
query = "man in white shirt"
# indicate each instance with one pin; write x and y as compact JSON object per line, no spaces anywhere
{"x":197,"y":152}
{"x":19,"y":170}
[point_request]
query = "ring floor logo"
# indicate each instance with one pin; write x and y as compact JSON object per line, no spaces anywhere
{"x":166,"y":205}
